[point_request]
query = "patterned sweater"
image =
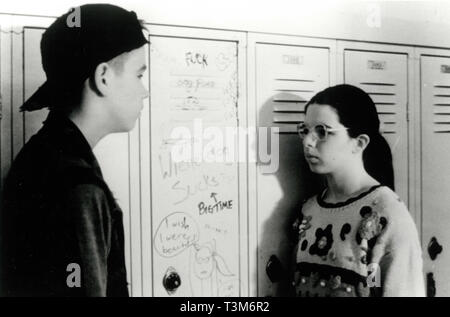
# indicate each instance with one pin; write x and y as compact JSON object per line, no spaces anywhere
{"x":366,"y":246}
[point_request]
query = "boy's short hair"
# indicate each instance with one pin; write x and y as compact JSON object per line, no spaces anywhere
{"x":71,"y":53}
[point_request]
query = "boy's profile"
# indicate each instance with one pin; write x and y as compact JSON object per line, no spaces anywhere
{"x":57,"y":211}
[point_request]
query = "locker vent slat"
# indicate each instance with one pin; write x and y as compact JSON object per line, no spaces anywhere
{"x":290,"y":96}
{"x":384,"y":96}
{"x":441,"y":109}
{"x":377,"y":84}
{"x":287,"y":100}
{"x":300,"y":80}
{"x":288,"y":108}
{"x":294,"y":90}
{"x":385,"y":103}
{"x":381,"y":94}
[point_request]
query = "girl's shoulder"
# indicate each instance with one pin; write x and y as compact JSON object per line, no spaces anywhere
{"x":309,"y":204}
{"x":392,"y":210}
{"x":387,"y":202}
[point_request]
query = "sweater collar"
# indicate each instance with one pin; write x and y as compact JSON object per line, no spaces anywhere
{"x":325,"y":204}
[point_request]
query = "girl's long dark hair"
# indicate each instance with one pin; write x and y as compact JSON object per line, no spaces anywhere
{"x":357,"y":112}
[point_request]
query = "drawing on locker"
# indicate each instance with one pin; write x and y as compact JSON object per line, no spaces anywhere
{"x":194,"y":186}
{"x":209,"y":270}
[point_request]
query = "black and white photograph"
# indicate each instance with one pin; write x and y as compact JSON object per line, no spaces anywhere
{"x":224,"y":149}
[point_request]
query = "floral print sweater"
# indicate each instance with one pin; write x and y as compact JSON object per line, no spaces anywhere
{"x":366,"y":246}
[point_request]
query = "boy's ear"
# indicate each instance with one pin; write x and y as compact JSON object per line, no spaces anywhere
{"x":101,"y":81}
{"x":362,"y":141}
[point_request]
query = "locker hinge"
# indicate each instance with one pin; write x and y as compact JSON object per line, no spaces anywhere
{"x":236,"y":106}
{"x":1,"y":107}
{"x":407,"y":112}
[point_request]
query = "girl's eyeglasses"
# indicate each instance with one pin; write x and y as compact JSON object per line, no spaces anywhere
{"x":319,"y":132}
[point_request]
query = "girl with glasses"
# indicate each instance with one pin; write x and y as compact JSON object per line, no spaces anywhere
{"x":356,"y":238}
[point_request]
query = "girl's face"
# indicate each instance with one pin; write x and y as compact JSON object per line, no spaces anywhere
{"x":333,"y":153}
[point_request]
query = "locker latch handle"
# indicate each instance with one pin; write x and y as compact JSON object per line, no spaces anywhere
{"x":431,"y":285}
{"x":274,"y":269}
{"x":434,"y":248}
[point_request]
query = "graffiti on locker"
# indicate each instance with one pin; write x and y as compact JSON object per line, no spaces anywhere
{"x":175,"y":234}
{"x":223,"y":61}
{"x":204,"y":82}
{"x":196,"y":58}
{"x":187,"y":179}
{"x":214,"y":207}
{"x":194,"y":102}
{"x":209,"y":272}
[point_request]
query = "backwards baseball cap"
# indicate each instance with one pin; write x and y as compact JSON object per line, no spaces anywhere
{"x":71,"y":49}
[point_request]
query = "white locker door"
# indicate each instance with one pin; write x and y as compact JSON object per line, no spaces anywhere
{"x":435,"y":106}
{"x":201,"y":249}
{"x":3,"y":133}
{"x":384,"y":76}
{"x":287,"y":77}
{"x":117,"y":154}
{"x":34,"y":77}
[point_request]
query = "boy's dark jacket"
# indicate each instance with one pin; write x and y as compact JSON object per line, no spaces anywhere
{"x":57,"y":210}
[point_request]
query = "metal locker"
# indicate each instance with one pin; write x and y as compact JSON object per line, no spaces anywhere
{"x":287,"y":76}
{"x":5,"y":96}
{"x":34,"y":76}
{"x":117,"y":154}
{"x":435,"y":186}
{"x":197,"y":83}
{"x":2,"y":87}
{"x":384,"y":76}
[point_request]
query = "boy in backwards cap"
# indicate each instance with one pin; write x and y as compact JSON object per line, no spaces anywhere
{"x":58,"y":213}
